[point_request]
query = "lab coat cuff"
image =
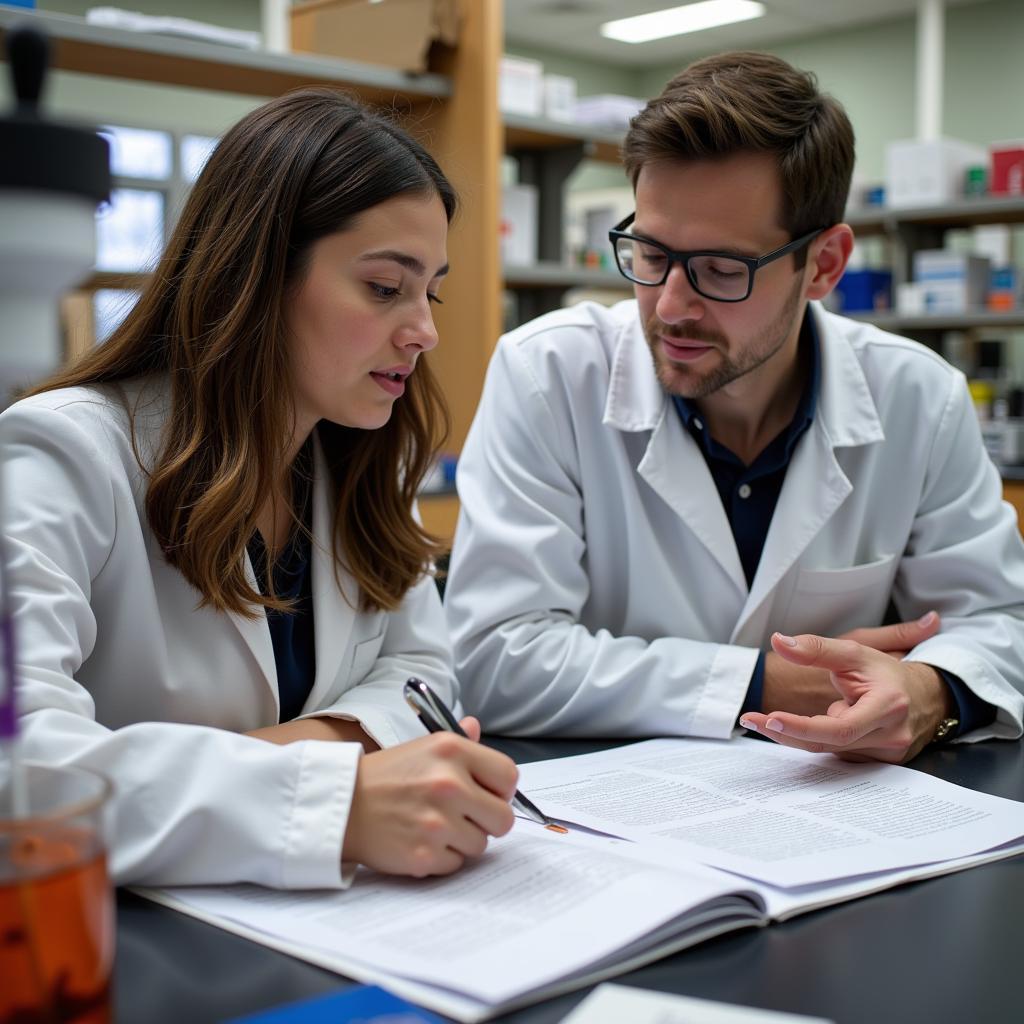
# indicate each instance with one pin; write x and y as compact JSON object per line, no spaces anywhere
{"x":982,"y":681}
{"x":724,"y":691}
{"x":325,"y":784}
{"x":379,"y":725}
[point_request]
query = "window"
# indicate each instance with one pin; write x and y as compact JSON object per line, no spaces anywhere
{"x":139,"y":152}
{"x":130,"y":230}
{"x":195,"y":151}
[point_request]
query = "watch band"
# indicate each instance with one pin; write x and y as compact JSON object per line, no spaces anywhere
{"x":946,"y":726}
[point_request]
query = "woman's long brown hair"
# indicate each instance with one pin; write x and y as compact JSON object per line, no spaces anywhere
{"x":212,"y":321}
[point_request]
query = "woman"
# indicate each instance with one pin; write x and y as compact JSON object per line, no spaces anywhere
{"x":218,"y":581}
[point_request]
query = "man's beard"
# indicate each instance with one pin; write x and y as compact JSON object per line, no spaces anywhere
{"x":688,"y":382}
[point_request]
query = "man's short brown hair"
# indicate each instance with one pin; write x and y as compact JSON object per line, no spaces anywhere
{"x":757,"y":103}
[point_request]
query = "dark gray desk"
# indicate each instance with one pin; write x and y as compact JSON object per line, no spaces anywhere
{"x":948,"y":949}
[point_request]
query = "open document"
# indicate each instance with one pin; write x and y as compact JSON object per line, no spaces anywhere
{"x":671,"y":842}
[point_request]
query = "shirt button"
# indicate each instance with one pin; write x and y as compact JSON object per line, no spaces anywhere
{"x":697,"y":423}
{"x":743,"y":490}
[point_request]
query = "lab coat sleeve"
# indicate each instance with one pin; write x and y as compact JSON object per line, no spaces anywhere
{"x":518,"y":583}
{"x":415,"y":644}
{"x":965,"y":558}
{"x":192,"y":804}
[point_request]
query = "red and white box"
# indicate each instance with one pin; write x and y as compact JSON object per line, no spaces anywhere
{"x":1007,"y":169}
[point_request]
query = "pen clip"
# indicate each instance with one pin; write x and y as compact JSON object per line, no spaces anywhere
{"x":431,"y":710}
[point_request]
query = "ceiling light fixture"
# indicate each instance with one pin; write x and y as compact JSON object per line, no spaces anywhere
{"x":676,"y":20}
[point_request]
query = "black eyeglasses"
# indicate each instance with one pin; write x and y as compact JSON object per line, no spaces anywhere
{"x":720,"y":276}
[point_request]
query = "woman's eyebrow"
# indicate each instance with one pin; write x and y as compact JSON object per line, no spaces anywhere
{"x":403,"y":259}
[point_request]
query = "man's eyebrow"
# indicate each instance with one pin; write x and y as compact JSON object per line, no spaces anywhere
{"x":725,"y":250}
{"x":403,"y":259}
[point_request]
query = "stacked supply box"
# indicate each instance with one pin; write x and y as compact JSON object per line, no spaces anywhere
{"x":518,"y":229}
{"x":521,"y":86}
{"x":1007,"y":174}
{"x":607,"y":112}
{"x":951,"y":282}
{"x":928,"y":172}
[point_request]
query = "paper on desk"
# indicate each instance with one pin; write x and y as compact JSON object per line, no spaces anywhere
{"x":772,"y":813}
{"x":534,"y":911}
{"x":613,"y":1004}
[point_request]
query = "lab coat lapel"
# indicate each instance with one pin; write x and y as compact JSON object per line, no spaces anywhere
{"x":675,"y":468}
{"x":672,"y":463}
{"x":335,"y":597}
{"x":815,"y":485}
{"x":256,"y":634}
{"x":814,"y":488}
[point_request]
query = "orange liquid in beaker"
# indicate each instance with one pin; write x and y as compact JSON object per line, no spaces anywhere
{"x":56,"y":929}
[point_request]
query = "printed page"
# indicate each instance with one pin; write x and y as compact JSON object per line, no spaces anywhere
{"x":535,"y":908}
{"x":613,"y":1004}
{"x":771,"y":813}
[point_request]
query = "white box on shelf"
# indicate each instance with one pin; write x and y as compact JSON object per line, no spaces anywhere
{"x":518,"y":229}
{"x":607,"y":111}
{"x":521,"y":86}
{"x":910,"y":299}
{"x":926,"y":172}
{"x":994,"y":241}
{"x":952,"y":282}
{"x":559,"y":97}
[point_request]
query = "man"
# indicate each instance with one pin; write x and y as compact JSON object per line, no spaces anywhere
{"x":659,"y":498}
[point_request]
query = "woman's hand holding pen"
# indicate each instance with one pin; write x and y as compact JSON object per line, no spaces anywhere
{"x":423,"y":807}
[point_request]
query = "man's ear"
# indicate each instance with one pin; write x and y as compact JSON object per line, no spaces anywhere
{"x":829,"y":253}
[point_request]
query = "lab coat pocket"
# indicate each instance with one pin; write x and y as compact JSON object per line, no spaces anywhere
{"x":834,"y":601}
{"x":364,"y":656}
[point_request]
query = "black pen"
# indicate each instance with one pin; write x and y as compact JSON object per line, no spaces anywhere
{"x":436,"y":717}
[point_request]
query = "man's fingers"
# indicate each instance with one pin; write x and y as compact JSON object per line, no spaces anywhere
{"x":830,"y":731}
{"x":823,"y":652}
{"x":900,"y":636}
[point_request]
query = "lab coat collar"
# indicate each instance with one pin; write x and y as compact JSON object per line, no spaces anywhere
{"x":845,"y":411}
{"x":674,"y":467}
{"x":635,"y":399}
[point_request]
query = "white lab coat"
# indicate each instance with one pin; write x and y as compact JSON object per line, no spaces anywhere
{"x":595,"y":586}
{"x":122,"y":672}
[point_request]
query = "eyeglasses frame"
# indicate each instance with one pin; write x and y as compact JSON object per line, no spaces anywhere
{"x":753,"y":263}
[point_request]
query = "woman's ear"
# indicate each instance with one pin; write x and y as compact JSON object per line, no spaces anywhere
{"x":827,"y":259}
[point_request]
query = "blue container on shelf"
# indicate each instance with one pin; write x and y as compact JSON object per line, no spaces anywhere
{"x":865,"y":291}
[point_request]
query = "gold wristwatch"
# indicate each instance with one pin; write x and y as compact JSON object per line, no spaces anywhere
{"x":946,"y":726}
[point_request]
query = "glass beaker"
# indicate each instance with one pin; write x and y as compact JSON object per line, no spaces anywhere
{"x":56,"y":900}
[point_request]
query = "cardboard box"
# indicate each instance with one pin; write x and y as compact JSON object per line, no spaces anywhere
{"x":521,"y":86}
{"x":1007,"y":176}
{"x":518,"y":228}
{"x":926,"y":173}
{"x":393,"y":33}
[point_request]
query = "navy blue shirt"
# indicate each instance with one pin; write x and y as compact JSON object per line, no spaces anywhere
{"x":291,"y":632}
{"x":749,"y":495}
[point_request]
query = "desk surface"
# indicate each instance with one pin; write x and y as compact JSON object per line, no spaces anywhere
{"x":946,"y":949}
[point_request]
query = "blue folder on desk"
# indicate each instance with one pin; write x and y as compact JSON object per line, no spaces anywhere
{"x":362,"y":1003}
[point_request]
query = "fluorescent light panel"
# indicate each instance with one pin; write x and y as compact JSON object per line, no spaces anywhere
{"x":676,"y":20}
